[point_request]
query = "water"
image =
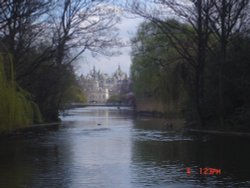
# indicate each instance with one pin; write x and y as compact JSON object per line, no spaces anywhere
{"x":106,"y":147}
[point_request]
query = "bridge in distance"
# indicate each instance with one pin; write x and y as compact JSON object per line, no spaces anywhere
{"x":80,"y":105}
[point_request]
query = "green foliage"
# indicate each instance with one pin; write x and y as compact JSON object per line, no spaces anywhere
{"x":155,"y":69}
{"x":53,"y":87}
{"x":117,"y":99}
{"x":236,"y":82}
{"x":114,"y":99}
{"x":159,"y":73}
{"x":16,"y":107}
{"x":74,"y":94}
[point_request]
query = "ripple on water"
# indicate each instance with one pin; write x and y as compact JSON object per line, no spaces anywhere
{"x":122,"y":152}
{"x":147,"y":135}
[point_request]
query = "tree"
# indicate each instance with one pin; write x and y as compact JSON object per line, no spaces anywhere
{"x":155,"y":67}
{"x":228,"y":18}
{"x":197,"y":34}
{"x":79,"y":26}
{"x":16,"y":108}
{"x":20,"y":32}
{"x":46,"y":37}
{"x":211,"y":22}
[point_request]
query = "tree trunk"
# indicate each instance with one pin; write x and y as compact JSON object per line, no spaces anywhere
{"x":222,"y":62}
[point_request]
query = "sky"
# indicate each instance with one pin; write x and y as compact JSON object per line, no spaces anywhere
{"x":127,"y":29}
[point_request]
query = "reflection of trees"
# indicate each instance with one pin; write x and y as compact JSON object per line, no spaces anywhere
{"x":13,"y":172}
{"x":172,"y":157}
{"x":34,"y":160}
{"x":162,"y":152}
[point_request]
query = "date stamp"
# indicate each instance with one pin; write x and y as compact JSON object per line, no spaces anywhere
{"x":203,"y":171}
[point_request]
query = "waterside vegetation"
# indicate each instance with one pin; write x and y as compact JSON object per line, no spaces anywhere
{"x":40,"y":42}
{"x":17,"y":108}
{"x":195,"y":62}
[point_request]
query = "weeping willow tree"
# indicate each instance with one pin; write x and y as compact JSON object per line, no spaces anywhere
{"x":156,"y":68}
{"x":16,"y":107}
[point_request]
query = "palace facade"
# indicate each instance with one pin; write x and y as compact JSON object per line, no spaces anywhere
{"x":98,"y":87}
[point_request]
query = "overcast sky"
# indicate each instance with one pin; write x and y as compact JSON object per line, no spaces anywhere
{"x":127,"y":29}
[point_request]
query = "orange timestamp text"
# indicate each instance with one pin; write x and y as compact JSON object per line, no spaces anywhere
{"x":204,"y":171}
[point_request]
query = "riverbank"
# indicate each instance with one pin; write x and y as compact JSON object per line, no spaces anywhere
{"x":32,"y":128}
{"x":217,"y":132}
{"x":149,"y":107}
{"x":156,"y":109}
{"x":123,"y":152}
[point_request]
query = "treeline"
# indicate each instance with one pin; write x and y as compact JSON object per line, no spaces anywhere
{"x":39,"y":42}
{"x":196,"y":61}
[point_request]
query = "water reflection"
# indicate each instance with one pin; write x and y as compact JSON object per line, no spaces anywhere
{"x":101,"y":152}
{"x":164,"y":160}
{"x":122,"y":151}
{"x":34,"y":160}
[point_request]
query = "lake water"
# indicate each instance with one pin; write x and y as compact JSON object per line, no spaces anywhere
{"x":101,"y":147}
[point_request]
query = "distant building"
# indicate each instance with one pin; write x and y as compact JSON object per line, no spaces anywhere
{"x":98,"y":87}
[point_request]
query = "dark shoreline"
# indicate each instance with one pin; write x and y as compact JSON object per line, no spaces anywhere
{"x":32,"y":128}
{"x":217,"y":132}
{"x":150,"y":114}
{"x":156,"y":114}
